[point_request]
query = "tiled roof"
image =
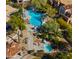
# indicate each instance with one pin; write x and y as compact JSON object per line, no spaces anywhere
{"x":13,"y":49}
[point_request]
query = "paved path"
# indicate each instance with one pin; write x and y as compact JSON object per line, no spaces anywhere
{"x":30,"y":38}
{"x":30,"y":41}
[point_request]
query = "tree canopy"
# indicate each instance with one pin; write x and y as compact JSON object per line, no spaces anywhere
{"x":50,"y":30}
{"x":43,"y":5}
{"x":67,"y":29}
{"x":16,"y":21}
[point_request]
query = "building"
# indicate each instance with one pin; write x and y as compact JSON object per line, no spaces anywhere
{"x":12,"y":49}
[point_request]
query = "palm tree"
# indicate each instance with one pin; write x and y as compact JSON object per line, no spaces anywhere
{"x":43,"y":5}
{"x":17,"y":22}
{"x":50,"y":30}
{"x":64,"y":55}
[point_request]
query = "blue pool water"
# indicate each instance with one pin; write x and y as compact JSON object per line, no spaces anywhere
{"x":47,"y":48}
{"x":35,"y":17}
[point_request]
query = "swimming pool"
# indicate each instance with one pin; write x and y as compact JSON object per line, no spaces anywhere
{"x":47,"y":48}
{"x":35,"y":17}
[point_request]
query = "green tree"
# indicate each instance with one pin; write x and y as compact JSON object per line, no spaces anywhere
{"x":59,"y":55}
{"x":39,"y":3}
{"x":43,"y":5}
{"x":64,"y":55}
{"x":50,"y":10}
{"x":50,"y":30}
{"x":8,"y":1}
{"x":67,"y":28}
{"x":16,"y":22}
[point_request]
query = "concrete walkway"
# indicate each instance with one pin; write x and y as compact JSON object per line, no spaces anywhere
{"x":30,"y":38}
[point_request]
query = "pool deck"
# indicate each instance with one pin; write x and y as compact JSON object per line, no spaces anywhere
{"x":30,"y":40}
